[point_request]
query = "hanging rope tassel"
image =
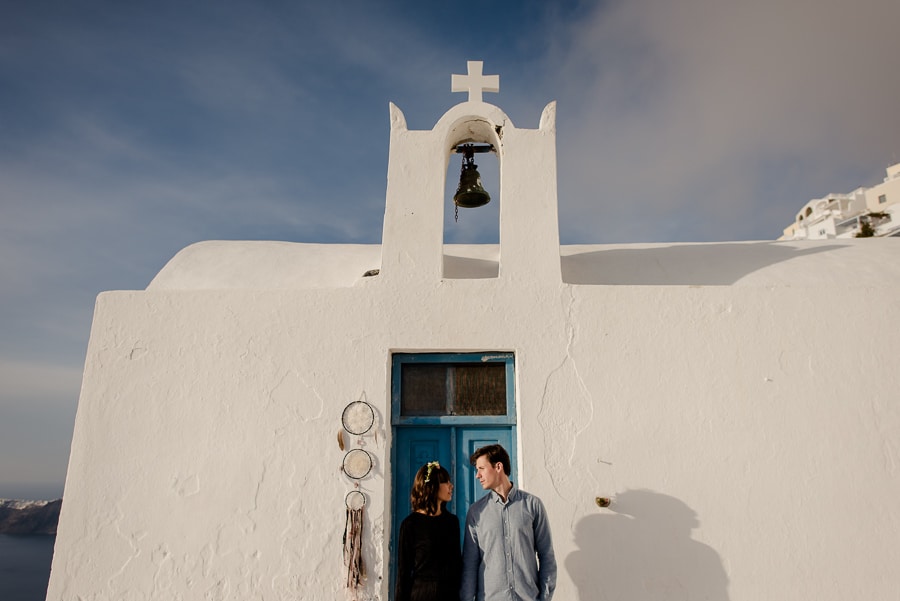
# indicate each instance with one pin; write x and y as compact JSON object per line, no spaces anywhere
{"x":356,"y":572}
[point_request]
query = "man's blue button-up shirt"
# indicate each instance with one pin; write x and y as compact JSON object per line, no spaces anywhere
{"x":507,"y":550}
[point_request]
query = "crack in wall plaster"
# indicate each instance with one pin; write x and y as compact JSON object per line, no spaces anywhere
{"x":888,"y":438}
{"x":406,"y":261}
{"x":229,"y":566}
{"x":206,"y":558}
{"x":186,"y":486}
{"x":132,"y":540}
{"x":255,"y":508}
{"x":566,"y":413}
{"x":299,"y":563}
{"x":218,"y":591}
{"x":271,"y":457}
{"x":287,"y":393}
{"x":163,"y":577}
{"x":288,"y":552}
{"x":137,"y":352}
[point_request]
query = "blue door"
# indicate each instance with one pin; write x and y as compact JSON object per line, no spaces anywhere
{"x":468,"y":488}
{"x":413,"y":448}
{"x":444,"y":406}
{"x":451,"y":446}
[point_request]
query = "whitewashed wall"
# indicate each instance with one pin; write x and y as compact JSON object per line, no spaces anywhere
{"x":748,"y":432}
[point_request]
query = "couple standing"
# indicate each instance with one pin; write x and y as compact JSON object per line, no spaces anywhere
{"x":507,"y":552}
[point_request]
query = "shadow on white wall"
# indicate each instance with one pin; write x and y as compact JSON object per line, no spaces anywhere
{"x":643,"y":551}
{"x":689,"y":264}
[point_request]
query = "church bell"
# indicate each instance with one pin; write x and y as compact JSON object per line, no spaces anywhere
{"x":470,"y":193}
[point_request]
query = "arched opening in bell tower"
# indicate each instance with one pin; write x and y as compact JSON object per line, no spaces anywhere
{"x":467,"y":225}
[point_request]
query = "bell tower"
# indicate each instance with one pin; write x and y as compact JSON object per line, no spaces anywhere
{"x":412,"y":240}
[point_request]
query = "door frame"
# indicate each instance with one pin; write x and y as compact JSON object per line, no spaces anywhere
{"x":458,"y":427}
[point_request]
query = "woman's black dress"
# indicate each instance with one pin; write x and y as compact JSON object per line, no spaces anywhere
{"x":428,"y":561}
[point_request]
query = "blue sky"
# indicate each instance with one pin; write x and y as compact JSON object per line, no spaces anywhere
{"x":129,"y":130}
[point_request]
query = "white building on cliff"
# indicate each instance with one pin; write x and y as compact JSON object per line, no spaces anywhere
{"x":749,"y":441}
{"x":842,"y":215}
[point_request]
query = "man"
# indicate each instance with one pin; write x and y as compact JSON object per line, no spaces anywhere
{"x":507,"y":550}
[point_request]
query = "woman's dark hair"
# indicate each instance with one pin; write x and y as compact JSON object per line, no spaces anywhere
{"x":423,"y":496}
{"x":495,"y":454}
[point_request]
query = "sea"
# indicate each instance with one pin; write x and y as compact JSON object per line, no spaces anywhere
{"x":25,"y":566}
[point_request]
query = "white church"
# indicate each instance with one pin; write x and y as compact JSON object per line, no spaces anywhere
{"x":713,"y":421}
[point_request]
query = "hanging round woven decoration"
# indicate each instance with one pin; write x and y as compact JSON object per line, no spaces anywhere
{"x":355,"y":500}
{"x":357,"y":463}
{"x":358,"y":417}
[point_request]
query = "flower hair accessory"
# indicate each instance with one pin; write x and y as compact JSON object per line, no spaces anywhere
{"x":430,"y":465}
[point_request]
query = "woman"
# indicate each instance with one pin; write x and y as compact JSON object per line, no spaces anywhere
{"x":428,"y":559}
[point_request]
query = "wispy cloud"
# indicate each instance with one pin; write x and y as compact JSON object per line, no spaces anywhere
{"x":721,"y":118}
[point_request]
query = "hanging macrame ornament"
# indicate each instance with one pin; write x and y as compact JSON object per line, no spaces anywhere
{"x":356,"y":572}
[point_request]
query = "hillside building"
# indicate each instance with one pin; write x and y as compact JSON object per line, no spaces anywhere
{"x":843,"y":215}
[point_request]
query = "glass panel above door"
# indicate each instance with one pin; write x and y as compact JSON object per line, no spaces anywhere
{"x":442,"y":388}
{"x":433,"y":389}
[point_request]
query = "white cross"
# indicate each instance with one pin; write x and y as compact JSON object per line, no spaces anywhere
{"x":474,"y":83}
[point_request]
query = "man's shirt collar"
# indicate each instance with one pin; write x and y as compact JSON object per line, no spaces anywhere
{"x":509,"y":497}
